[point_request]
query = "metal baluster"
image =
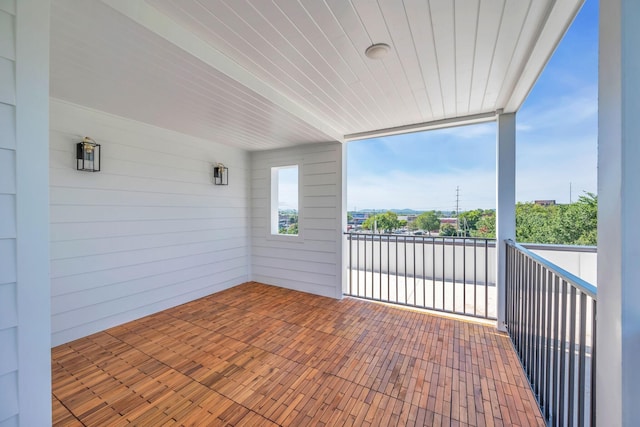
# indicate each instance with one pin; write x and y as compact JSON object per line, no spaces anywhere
{"x":529,"y":303}
{"x":557,"y":300}
{"x":523,"y":307}
{"x":453,"y":302}
{"x":380,"y":272}
{"x":512,"y":292}
{"x":415,"y":295}
{"x":475,"y":276}
{"x":538,"y":332}
{"x":433,"y":272}
{"x":486,"y":277}
{"x":464,"y":276}
{"x":350,"y":264}
{"x":507,"y":290}
{"x":572,"y":356}
{"x":443,"y":272}
{"x":582,"y":358}
{"x":518,"y":305}
{"x":388,"y":286}
{"x":406,"y":290}
{"x":364,"y":250}
{"x":594,"y":317}
{"x":397,"y":299}
{"x":562,"y":367}
{"x":548,"y":355}
{"x":424,"y":275}
{"x":358,"y":255}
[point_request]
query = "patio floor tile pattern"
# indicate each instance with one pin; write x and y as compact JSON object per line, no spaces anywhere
{"x":259,"y":355}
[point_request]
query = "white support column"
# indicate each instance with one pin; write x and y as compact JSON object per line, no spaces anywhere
{"x":618,"y":321}
{"x":506,"y":203}
{"x":32,"y":396}
{"x":343,"y":255}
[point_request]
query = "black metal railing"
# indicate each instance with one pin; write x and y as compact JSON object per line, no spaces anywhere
{"x":450,"y":274}
{"x":551,"y":319}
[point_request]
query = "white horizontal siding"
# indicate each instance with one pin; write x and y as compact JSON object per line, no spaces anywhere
{"x":8,"y":126}
{"x":130,"y":274}
{"x":25,"y":356}
{"x":9,"y":368}
{"x":96,"y":323}
{"x":147,"y":232}
{"x":312,"y":263}
{"x":8,"y":312}
{"x":8,"y":355}
{"x":7,"y":79}
{"x":9,"y":402}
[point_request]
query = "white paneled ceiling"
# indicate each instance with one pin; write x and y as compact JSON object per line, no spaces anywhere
{"x":271,"y":73}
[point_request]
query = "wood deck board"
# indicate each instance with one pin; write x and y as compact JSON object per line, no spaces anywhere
{"x":260,"y":355}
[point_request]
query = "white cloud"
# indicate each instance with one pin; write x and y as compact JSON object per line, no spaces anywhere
{"x":561,"y":113}
{"x":548,"y":170}
{"x":543,"y":171}
{"x":556,"y":145}
{"x":423,"y":190}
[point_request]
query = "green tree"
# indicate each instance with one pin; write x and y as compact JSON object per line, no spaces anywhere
{"x":428,"y":221}
{"x":386,"y":222}
{"x":370,"y":223}
{"x":574,"y":224}
{"x":468,"y":220}
{"x":447,"y":230}
{"x":291,"y":229}
{"x":535,"y":223}
{"x":486,"y":226}
{"x":578,"y":224}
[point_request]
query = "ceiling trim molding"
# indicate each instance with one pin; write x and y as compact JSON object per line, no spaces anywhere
{"x":553,"y":29}
{"x":419,"y":127}
{"x":161,"y":25}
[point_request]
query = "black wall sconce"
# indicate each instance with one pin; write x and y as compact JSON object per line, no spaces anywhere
{"x":220,"y":174}
{"x":88,"y":155}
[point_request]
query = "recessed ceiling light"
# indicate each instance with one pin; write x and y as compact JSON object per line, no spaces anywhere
{"x":377,"y":51}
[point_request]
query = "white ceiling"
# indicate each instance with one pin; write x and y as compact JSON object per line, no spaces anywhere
{"x":266,"y":74}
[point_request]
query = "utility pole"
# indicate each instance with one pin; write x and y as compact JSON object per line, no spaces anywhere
{"x":570,"y":199}
{"x":375,"y":222}
{"x":457,"y":208}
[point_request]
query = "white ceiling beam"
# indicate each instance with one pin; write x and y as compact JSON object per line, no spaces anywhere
{"x":419,"y":127}
{"x":553,"y":29}
{"x":161,"y":25}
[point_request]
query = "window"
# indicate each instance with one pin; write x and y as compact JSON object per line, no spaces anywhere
{"x":284,"y":200}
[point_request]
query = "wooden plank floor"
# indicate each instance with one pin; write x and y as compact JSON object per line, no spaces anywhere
{"x":258,"y":355}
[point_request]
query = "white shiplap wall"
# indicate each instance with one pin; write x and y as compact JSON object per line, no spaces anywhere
{"x":148,"y":232}
{"x":25,"y":358}
{"x":313,"y":262}
{"x":8,"y":286}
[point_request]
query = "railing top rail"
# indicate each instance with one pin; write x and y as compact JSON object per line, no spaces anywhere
{"x":560,"y":248}
{"x":425,"y":236}
{"x":580,"y":284}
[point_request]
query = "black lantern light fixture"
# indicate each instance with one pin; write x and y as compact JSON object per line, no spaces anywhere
{"x":220,"y":174}
{"x":88,"y":155}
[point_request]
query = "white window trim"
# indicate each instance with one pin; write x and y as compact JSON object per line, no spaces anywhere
{"x":273,"y":204}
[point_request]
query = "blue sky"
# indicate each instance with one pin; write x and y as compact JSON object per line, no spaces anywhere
{"x":556,"y":144}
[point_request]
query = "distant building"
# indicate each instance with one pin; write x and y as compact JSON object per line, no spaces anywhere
{"x":359,"y":217}
{"x":452,"y":221}
{"x":545,"y":202}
